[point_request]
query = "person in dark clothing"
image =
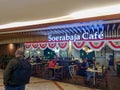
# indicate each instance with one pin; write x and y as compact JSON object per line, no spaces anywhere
{"x":84,"y":65}
{"x":38,"y":60}
{"x":111,"y":61}
{"x":111,"y":64}
{"x":9,"y":79}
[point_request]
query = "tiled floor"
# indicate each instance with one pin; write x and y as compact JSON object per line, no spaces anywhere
{"x":43,"y":84}
{"x":114,"y":82}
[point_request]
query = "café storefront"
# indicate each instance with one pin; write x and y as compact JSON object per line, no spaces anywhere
{"x":94,"y":40}
{"x":79,"y":39}
{"x":102,"y":37}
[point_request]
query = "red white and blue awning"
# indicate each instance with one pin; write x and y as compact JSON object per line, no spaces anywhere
{"x":95,"y":45}
{"x":95,"y":34}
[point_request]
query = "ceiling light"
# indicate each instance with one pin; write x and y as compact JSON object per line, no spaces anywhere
{"x":108,"y":10}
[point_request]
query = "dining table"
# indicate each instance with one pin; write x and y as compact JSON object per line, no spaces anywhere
{"x":98,"y":70}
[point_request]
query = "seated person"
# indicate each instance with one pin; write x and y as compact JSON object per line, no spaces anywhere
{"x":51,"y":65}
{"x":90,"y":62}
{"x":52,"y":62}
{"x":84,"y":65}
{"x":90,"y":74}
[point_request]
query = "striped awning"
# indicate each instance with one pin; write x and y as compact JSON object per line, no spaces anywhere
{"x":110,"y":28}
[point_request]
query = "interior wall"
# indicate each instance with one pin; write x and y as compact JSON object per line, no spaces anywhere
{"x":24,"y":39}
{"x":8,"y":49}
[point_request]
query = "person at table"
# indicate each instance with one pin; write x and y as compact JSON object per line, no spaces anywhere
{"x":52,"y":62}
{"x":83,"y":67}
{"x":51,"y":65}
{"x":90,"y":74}
{"x":91,"y":62}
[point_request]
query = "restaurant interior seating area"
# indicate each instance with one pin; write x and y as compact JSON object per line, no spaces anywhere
{"x":75,"y":53}
{"x":83,"y":63}
{"x":68,"y":74}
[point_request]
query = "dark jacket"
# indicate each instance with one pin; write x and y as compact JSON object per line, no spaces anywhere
{"x":111,"y":62}
{"x":8,"y":73}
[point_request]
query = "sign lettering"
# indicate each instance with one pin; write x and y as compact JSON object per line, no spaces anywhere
{"x":76,"y":37}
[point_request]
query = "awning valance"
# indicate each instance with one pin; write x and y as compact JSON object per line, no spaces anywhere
{"x":95,"y":45}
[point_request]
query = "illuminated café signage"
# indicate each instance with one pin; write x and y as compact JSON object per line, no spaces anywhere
{"x":75,"y":37}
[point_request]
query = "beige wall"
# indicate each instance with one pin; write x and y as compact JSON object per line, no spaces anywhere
{"x":24,"y":39}
{"x":8,"y":49}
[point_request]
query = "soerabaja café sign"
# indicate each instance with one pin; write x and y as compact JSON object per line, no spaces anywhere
{"x":76,"y":37}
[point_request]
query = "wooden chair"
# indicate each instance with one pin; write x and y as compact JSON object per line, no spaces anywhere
{"x":76,"y":78}
{"x":34,"y":68}
{"x":59,"y":74}
{"x":39,"y":69}
{"x":102,"y":81}
{"x":46,"y":72}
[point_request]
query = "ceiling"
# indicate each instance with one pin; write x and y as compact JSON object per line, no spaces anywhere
{"x":30,"y":10}
{"x":27,"y":10}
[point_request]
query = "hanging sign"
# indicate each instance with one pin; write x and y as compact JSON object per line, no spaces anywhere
{"x":76,"y":37}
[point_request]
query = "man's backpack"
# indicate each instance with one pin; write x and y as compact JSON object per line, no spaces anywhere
{"x":22,"y":73}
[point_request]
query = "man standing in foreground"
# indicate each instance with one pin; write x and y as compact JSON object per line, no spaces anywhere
{"x":17,"y":73}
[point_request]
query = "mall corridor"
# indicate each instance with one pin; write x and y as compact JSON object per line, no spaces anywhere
{"x":42,"y":84}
